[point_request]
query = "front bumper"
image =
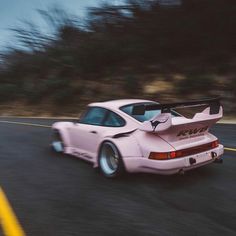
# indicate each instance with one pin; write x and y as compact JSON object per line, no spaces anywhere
{"x":168,"y":167}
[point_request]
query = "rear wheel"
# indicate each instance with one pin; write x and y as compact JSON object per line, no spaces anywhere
{"x":57,"y":144}
{"x":110,"y":161}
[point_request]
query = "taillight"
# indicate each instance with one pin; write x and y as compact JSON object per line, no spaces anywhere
{"x":215,"y":144}
{"x":173,"y":154}
{"x":184,"y":152}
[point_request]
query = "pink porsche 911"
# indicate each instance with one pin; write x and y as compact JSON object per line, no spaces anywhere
{"x":136,"y":135}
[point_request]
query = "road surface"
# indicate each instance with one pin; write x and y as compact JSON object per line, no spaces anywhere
{"x":64,"y":196}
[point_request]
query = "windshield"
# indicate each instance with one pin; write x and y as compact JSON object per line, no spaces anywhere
{"x":147,"y":115}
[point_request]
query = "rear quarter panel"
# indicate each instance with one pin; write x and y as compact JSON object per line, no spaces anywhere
{"x":128,"y":147}
{"x":151,"y":142}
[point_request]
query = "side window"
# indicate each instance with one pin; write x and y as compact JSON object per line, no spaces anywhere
{"x":93,"y":116}
{"x":114,"y":120}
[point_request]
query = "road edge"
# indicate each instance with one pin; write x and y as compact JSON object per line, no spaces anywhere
{"x":223,"y":121}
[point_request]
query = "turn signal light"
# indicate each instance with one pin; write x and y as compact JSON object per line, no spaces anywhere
{"x":163,"y":155}
{"x":184,"y":152}
{"x":158,"y":155}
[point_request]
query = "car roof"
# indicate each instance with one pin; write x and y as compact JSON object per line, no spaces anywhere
{"x":116,"y":104}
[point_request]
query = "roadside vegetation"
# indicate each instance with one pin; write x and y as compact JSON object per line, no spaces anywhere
{"x":140,"y":49}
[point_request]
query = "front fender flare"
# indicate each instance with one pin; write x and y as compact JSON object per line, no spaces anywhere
{"x":62,"y":128}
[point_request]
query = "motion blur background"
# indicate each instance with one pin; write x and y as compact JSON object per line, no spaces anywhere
{"x":61,"y":55}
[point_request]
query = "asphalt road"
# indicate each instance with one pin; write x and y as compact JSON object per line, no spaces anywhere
{"x":63,"y":196}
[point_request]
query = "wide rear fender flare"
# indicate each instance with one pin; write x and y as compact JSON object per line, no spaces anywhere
{"x":127,"y":147}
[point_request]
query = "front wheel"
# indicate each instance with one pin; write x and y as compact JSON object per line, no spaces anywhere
{"x":110,"y":161}
{"x":57,"y":144}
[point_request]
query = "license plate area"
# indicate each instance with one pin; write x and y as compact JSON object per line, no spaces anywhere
{"x":200,"y":158}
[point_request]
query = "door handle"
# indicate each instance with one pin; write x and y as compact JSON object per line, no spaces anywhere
{"x":93,"y":132}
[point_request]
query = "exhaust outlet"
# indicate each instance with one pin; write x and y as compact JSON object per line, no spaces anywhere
{"x":192,"y":161}
{"x":213,"y":155}
{"x":216,"y":160}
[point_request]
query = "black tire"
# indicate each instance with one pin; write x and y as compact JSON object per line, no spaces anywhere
{"x":110,"y":161}
{"x":57,"y":144}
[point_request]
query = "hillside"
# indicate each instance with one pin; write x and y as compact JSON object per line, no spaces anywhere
{"x":141,"y":49}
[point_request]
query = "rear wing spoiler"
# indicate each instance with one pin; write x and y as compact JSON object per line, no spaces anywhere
{"x":164,"y":121}
{"x":213,"y":103}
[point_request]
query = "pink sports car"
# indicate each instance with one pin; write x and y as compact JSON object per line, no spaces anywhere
{"x":136,"y":135}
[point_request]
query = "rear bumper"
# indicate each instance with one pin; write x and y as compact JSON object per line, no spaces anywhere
{"x":168,"y":167}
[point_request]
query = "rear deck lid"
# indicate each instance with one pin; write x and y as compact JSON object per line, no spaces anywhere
{"x":181,"y":132}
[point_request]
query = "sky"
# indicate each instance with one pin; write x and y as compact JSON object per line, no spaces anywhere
{"x":12,"y":12}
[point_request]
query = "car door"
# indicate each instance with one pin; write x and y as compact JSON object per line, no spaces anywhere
{"x":85,"y":134}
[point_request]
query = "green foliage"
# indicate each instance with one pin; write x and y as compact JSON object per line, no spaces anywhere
{"x":200,"y":84}
{"x":196,"y":36}
{"x":233,"y":86}
{"x":8,"y":92}
{"x":56,"y":84}
{"x":131,"y":85}
{"x":65,"y":96}
{"x":33,"y":92}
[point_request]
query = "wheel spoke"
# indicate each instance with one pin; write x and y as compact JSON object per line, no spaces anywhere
{"x":109,"y":159}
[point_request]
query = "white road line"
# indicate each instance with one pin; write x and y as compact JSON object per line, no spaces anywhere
{"x":48,"y":126}
{"x":23,"y":123}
